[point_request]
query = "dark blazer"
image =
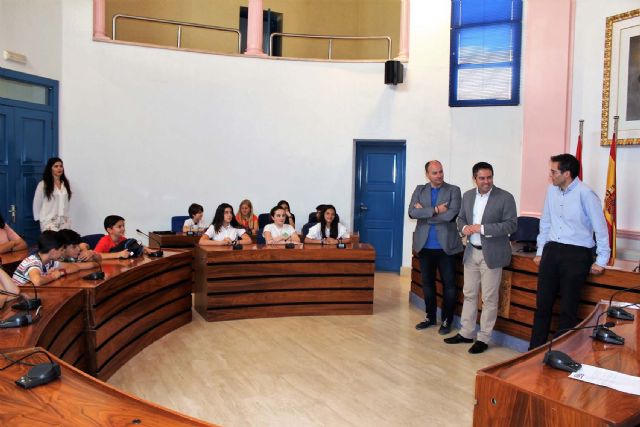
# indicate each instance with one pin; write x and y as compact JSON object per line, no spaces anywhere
{"x":500,"y":219}
{"x":446,"y":231}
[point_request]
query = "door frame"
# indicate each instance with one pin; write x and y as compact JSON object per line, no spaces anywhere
{"x":401,"y":174}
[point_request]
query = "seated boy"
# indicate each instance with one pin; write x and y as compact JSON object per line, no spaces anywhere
{"x":43,"y":266}
{"x":76,"y":253}
{"x":114,"y":226}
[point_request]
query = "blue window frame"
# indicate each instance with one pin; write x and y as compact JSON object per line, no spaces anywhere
{"x":485,"y":52}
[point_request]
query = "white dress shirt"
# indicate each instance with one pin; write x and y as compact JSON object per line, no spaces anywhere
{"x":478,"y":211}
{"x":228,"y":231}
{"x":200,"y":226}
{"x":55,"y":209}
{"x":286,"y":230}
{"x":314,"y":232}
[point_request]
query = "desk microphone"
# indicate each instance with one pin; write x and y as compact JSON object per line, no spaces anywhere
{"x":620,"y":312}
{"x":29,"y":304}
{"x":39,"y":374}
{"x":341,"y":244}
{"x":155,"y":254}
{"x":604,"y":334}
{"x":236,"y":246}
{"x":560,"y":360}
{"x":20,"y":319}
{"x":96,"y":275}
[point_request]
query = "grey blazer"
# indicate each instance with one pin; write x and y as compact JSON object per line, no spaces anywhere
{"x":446,"y":231}
{"x":500,"y":219}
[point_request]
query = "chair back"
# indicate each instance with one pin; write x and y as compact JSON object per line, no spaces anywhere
{"x":528,"y":229}
{"x":92,"y":239}
{"x":177,"y":222}
{"x":264,"y":219}
{"x":260,"y":238}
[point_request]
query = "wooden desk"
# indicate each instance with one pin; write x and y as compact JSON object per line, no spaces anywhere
{"x":518,"y":291}
{"x":76,"y":399}
{"x":271,"y":281}
{"x":524,"y":392}
{"x":60,"y":328}
{"x":178,"y":240}
{"x":11,"y":260}
{"x":139,"y":301}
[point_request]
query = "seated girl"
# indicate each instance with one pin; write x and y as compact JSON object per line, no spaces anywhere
{"x":196,"y":222}
{"x":224,"y":230}
{"x":289,"y":217}
{"x":278,"y":232}
{"x":246,"y":218}
{"x":328,"y":230}
{"x":10,"y":241}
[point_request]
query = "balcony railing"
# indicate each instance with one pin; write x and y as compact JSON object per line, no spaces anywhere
{"x":331,"y":39}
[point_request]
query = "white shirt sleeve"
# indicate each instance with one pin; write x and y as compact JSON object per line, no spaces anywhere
{"x":314,"y":232}
{"x":210,"y":232}
{"x":37,"y":200}
{"x":343,"y":233}
{"x":188,"y":223}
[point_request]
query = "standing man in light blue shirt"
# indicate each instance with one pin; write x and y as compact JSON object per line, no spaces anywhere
{"x":572,"y":213}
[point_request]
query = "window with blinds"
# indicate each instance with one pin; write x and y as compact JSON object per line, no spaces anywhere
{"x":485,"y":52}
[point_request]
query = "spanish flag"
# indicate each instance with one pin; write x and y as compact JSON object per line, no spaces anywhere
{"x":610,"y":199}
{"x":579,"y":155}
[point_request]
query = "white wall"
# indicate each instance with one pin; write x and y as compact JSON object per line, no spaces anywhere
{"x":587,"y":105}
{"x":144,"y":132}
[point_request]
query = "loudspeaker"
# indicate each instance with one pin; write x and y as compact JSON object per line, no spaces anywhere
{"x":393,"y":72}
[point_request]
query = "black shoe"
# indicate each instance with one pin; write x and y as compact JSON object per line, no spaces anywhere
{"x":478,"y":347}
{"x":457,"y":339}
{"x":445,"y":328}
{"x":425,"y":324}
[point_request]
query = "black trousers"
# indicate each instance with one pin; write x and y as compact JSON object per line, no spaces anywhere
{"x":430,"y":259}
{"x":563,"y":270}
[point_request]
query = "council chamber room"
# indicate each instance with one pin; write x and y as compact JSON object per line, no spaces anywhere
{"x":319,"y":213}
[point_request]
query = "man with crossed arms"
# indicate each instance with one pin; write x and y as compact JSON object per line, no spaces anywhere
{"x":487,"y":217}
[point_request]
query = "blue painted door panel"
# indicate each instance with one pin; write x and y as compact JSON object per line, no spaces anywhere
{"x":6,"y":183}
{"x":379,"y":199}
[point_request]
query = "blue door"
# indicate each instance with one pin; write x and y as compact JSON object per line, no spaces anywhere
{"x":28,"y":137}
{"x":379,"y":199}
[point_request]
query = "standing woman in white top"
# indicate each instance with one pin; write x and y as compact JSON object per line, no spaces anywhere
{"x":278,"y":232}
{"x":328,"y":230}
{"x":52,"y":197}
{"x":224,"y":229}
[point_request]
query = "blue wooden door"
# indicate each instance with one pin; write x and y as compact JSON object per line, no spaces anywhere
{"x":28,"y":138}
{"x":379,"y":199}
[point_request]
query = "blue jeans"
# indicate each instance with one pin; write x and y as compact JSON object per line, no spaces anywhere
{"x":430,"y":259}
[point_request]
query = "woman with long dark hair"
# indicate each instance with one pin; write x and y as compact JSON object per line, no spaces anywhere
{"x":328,"y":230}
{"x":10,"y":241}
{"x":52,"y":197}
{"x":224,"y":229}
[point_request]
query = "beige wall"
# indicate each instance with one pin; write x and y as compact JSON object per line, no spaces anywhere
{"x":335,"y":17}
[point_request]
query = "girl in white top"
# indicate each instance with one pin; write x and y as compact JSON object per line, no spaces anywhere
{"x":278,"y":232}
{"x":224,"y":230}
{"x":196,"y":222}
{"x":52,"y":197}
{"x":328,"y":230}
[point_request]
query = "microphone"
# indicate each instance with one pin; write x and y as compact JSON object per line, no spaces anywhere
{"x":39,"y":374}
{"x":236,"y":246}
{"x":561,"y":360}
{"x":20,"y":319}
{"x":620,"y":312}
{"x":341,"y":244}
{"x":155,"y":254}
{"x":96,"y":275}
{"x":604,"y":334}
{"x":29,"y":304}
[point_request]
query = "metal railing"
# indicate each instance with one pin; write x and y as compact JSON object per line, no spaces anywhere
{"x":331,"y":39}
{"x":180,"y":24}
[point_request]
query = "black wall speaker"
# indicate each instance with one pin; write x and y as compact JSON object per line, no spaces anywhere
{"x":393,"y":72}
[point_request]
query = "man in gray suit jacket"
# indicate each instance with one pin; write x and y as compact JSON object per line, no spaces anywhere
{"x":436,"y":240}
{"x":487,"y":217}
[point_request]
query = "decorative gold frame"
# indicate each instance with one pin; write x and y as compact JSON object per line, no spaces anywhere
{"x":606,"y":79}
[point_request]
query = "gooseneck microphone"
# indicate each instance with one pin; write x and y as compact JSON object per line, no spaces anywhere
{"x":29,"y":304}
{"x":341,"y":244}
{"x":20,"y":319}
{"x":39,"y":374}
{"x":620,"y":312}
{"x":604,"y":334}
{"x":560,"y":360}
{"x":96,"y":275}
{"x":155,"y":254}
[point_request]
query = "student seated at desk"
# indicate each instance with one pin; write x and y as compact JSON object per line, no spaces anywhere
{"x":10,"y":241}
{"x":6,"y":284}
{"x":224,"y":230}
{"x":246,"y":218}
{"x":328,"y":230}
{"x":278,"y":232}
{"x":196,"y":222}
{"x":76,"y":252}
{"x":43,"y":266}
{"x":114,"y":226}
{"x":290,"y":218}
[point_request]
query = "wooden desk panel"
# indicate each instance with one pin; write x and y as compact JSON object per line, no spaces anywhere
{"x":76,"y":399}
{"x":178,"y":240}
{"x":525,"y":392}
{"x":11,"y":260}
{"x":271,"y":281}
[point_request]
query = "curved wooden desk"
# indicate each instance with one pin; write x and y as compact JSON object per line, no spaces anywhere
{"x":76,"y":399}
{"x":271,"y":281}
{"x":139,"y":301}
{"x":11,"y":260}
{"x":524,"y":392}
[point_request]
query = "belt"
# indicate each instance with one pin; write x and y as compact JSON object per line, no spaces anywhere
{"x":477,"y":247}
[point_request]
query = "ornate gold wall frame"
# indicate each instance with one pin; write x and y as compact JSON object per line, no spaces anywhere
{"x":619,"y":32}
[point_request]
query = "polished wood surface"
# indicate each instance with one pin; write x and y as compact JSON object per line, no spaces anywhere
{"x":60,"y":327}
{"x":519,"y":284}
{"x":139,"y":301}
{"x":178,"y":240}
{"x":76,"y":399}
{"x":11,"y":260}
{"x":271,"y":281}
{"x":525,"y":392}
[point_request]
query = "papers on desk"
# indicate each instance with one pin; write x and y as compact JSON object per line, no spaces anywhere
{"x":621,"y":304}
{"x":607,"y":378}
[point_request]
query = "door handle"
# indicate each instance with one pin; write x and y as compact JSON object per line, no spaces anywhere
{"x":363,"y":207}
{"x":12,"y":211}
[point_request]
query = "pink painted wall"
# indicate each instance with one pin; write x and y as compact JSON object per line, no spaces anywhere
{"x":548,"y":52}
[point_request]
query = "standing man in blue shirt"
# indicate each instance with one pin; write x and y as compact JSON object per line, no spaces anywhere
{"x":572,"y":213}
{"x":436,"y":241}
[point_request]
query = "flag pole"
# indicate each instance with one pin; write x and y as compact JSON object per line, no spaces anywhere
{"x":611,"y":193}
{"x":579,"y":148}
